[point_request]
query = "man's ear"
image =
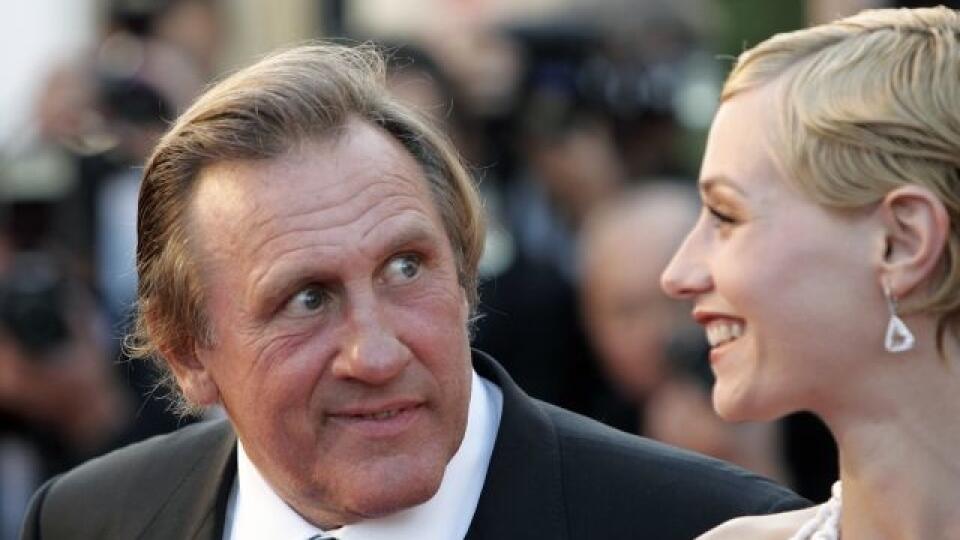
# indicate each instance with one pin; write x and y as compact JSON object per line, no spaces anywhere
{"x":916,"y":225}
{"x":192,"y":375}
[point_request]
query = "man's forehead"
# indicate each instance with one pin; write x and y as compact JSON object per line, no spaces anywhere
{"x":325,"y":185}
{"x":326,"y":170}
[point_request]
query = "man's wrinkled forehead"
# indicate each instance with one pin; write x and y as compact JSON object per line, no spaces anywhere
{"x":321,"y":168}
{"x":393,"y":161}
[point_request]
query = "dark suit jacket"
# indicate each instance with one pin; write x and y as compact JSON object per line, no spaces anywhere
{"x":553,"y":475}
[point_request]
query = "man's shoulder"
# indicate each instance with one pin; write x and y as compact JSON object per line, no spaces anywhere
{"x":135,"y":480}
{"x":161,"y":456}
{"x":612,"y":452}
{"x":556,"y":474}
{"x":630,"y":474}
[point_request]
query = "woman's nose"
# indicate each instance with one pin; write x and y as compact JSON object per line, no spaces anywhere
{"x":687,"y":275}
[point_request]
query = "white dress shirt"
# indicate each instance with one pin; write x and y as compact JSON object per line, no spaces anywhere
{"x":255,"y":511}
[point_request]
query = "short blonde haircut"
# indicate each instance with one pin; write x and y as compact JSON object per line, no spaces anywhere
{"x":867,"y":104}
{"x":259,"y":113}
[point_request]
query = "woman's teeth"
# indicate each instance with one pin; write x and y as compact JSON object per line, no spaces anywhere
{"x":720,"y":332}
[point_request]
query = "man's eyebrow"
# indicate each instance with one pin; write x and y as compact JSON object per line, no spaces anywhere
{"x":710,"y":183}
{"x":405,"y":234}
{"x":278,"y":280}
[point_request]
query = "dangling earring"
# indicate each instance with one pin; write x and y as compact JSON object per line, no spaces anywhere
{"x":899,"y":338}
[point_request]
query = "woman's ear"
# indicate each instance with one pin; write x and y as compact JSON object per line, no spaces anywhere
{"x":916,"y":225}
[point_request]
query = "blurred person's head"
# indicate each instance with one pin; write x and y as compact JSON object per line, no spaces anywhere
{"x":418,"y":79}
{"x":564,"y":126}
{"x":415,"y":77}
{"x":649,"y":83}
{"x":65,"y":104}
{"x":192,"y":26}
{"x":625,"y":244}
{"x":484,"y":64}
{"x":142,"y":84}
{"x":578,"y":165}
{"x":831,"y":188}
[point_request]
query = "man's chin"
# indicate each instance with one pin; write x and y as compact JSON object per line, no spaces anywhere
{"x":377,"y":493}
{"x":390,"y":501}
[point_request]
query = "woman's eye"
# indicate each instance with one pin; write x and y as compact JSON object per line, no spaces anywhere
{"x":720,"y":217}
{"x":403,"y":268}
{"x":309,"y":300}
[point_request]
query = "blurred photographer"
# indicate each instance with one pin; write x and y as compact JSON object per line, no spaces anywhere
{"x":60,"y":401}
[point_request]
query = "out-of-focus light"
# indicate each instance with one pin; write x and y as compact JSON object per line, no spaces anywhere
{"x":697,"y":97}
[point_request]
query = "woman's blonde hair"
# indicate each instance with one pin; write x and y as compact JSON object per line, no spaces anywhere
{"x":867,"y":104}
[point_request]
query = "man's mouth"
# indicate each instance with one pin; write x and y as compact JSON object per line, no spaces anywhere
{"x":380,"y":415}
{"x":721,"y":331}
{"x":380,"y":421}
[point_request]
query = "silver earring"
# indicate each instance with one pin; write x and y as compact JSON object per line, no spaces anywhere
{"x":898,"y":338}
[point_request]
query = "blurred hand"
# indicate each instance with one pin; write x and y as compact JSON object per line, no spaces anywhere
{"x":69,"y":390}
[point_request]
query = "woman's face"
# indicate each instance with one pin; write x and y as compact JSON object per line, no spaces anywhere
{"x":783,"y":286}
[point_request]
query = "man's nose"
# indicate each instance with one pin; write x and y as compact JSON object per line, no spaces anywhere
{"x":372,"y":352}
{"x":687,"y":275}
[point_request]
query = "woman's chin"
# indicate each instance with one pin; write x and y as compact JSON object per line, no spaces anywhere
{"x":741,"y":409}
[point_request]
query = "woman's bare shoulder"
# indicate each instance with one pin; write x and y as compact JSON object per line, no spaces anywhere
{"x":771,"y":527}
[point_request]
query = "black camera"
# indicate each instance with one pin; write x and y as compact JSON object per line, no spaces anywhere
{"x":33,"y":294}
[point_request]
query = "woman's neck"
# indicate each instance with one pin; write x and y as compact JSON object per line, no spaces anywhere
{"x":901,"y":488}
{"x":900,"y":455}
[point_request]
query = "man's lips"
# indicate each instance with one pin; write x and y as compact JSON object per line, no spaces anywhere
{"x":375,"y":410}
{"x":379,"y":420}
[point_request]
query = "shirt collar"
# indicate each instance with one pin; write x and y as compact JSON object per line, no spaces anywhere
{"x":256,"y":511}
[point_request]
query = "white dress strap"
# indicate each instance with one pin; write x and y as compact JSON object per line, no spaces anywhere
{"x":825,"y":525}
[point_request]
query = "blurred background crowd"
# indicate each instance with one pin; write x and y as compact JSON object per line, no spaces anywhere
{"x":583,"y":121}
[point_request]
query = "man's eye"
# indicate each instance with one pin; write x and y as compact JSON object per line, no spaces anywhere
{"x":402,"y":268}
{"x":307,"y":301}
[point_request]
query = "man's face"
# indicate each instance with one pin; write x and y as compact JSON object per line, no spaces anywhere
{"x":340,"y":352}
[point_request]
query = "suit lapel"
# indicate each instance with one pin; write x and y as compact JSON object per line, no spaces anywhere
{"x":196,"y":504}
{"x":523,"y":493}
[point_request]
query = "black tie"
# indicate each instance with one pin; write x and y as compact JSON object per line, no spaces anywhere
{"x":322,"y":537}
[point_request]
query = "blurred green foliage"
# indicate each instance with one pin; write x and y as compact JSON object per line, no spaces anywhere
{"x":744,"y":23}
{"x":741,"y":25}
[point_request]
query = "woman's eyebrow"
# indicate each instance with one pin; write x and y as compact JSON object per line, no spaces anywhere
{"x":710,"y":183}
